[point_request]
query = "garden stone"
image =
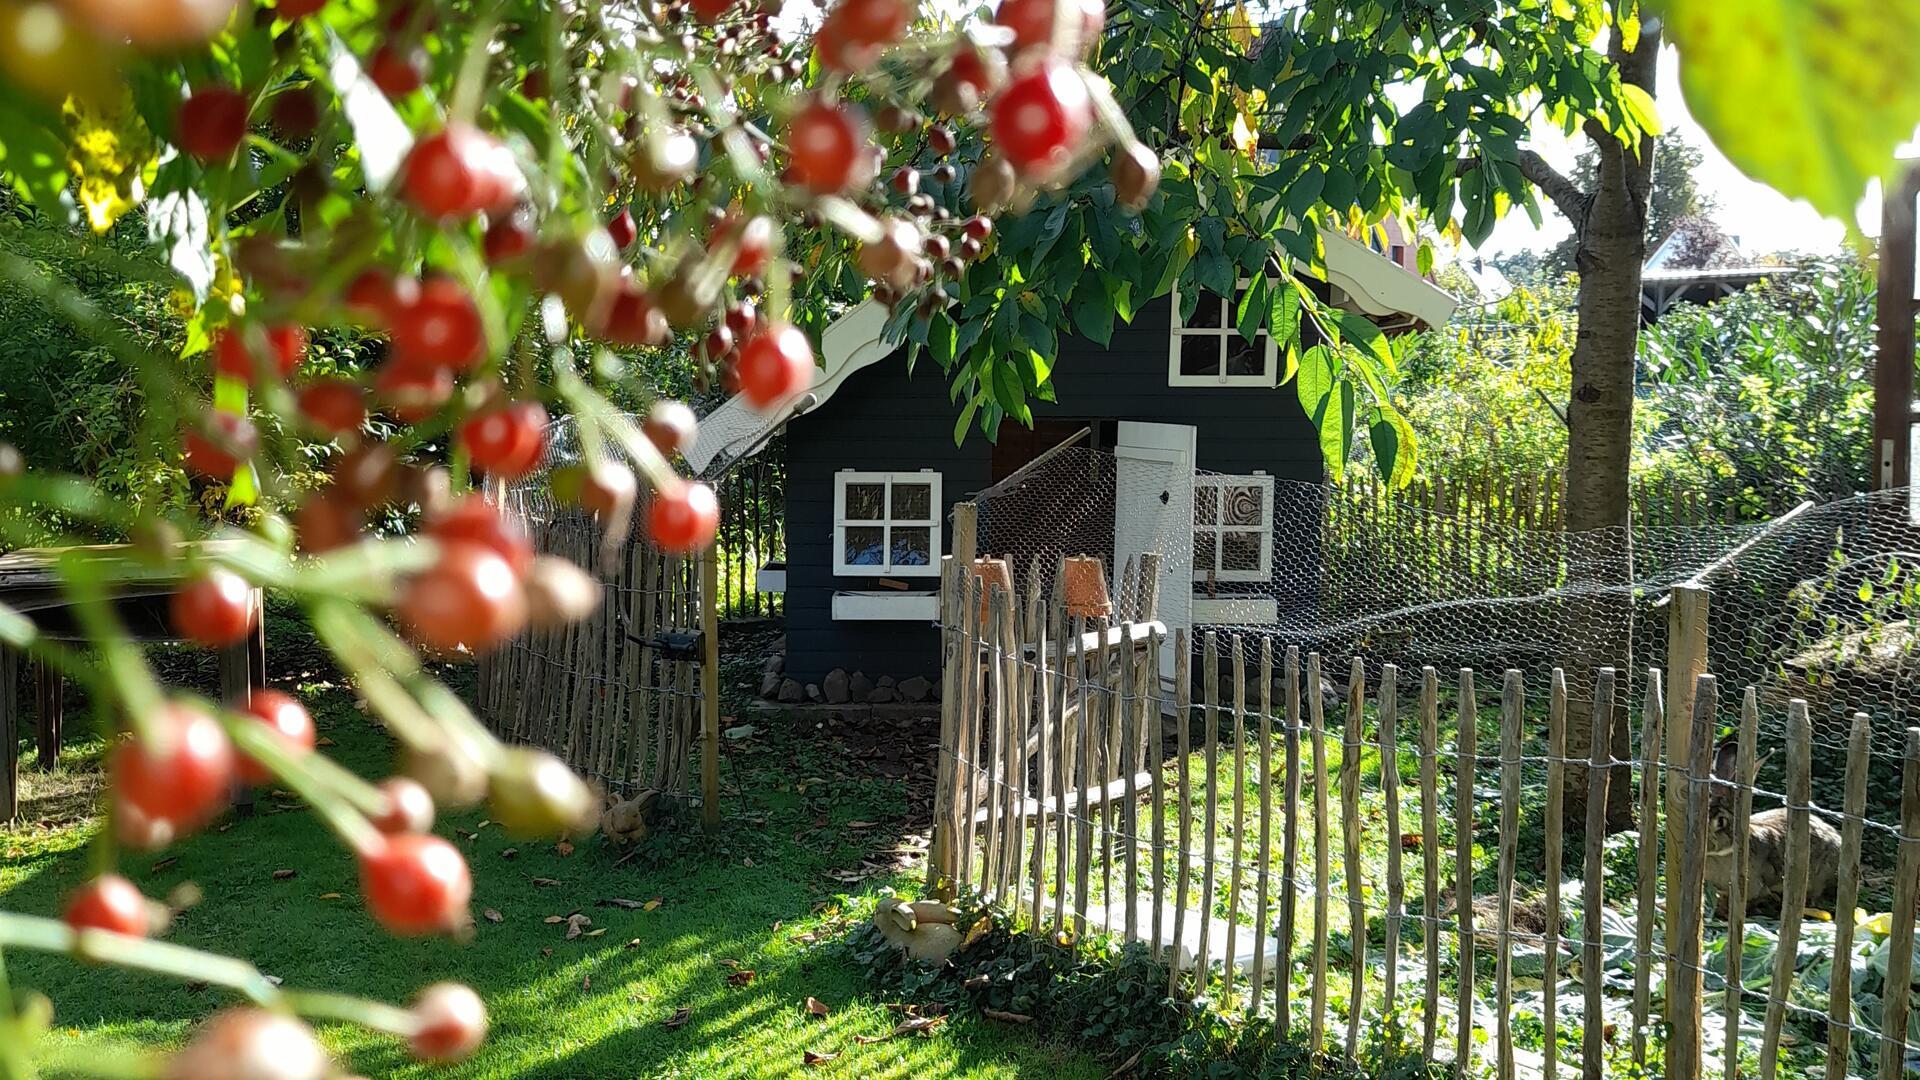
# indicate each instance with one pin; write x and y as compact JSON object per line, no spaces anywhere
{"x":859,"y":688}
{"x":881,"y":695}
{"x":885,"y":680}
{"x":791,"y":692}
{"x":834,"y":686}
{"x":769,"y":684}
{"x":915,"y":689}
{"x":776,"y":664}
{"x":813,"y":693}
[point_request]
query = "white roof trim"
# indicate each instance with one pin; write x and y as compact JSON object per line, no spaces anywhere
{"x":1379,"y":286}
{"x":736,"y":429}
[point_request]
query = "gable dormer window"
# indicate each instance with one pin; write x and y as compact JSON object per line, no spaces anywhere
{"x":1206,"y":349}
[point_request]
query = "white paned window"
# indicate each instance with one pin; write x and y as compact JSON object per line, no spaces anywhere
{"x":1206,"y":349}
{"x":886,"y":523}
{"x":1233,"y":528}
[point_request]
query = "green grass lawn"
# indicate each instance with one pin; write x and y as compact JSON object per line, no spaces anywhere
{"x":758,"y":896}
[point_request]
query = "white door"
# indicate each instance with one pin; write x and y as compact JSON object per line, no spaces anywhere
{"x":1153,"y":512}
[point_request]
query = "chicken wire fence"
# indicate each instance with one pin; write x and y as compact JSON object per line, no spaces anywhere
{"x":1374,"y":855}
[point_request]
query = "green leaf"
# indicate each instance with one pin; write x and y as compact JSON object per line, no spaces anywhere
{"x":1093,"y":315}
{"x":36,"y":159}
{"x":1395,"y":449}
{"x":1253,"y":308}
{"x":1639,"y":105}
{"x":1809,"y":98}
{"x":961,"y":425}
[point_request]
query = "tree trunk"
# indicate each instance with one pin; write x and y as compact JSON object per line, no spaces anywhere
{"x":1612,"y":249}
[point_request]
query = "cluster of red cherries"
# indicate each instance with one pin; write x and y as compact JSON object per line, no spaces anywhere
{"x":1022,"y":85}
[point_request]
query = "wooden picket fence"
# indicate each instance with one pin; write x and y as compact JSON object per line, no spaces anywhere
{"x":1058,"y":735}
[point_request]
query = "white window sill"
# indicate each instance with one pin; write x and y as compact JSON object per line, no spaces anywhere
{"x":1235,"y":611}
{"x":886,"y":606}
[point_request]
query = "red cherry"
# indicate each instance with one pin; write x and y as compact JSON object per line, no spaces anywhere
{"x":111,"y":903}
{"x":1032,"y":23}
{"x":710,"y":11}
{"x":623,"y":230}
{"x":682,"y":520}
{"x":972,"y":71}
{"x":216,"y":452}
{"x":375,"y":294}
{"x":978,"y":228}
{"x":753,"y":240}
{"x":233,"y":358}
{"x":214,"y":609}
{"x":670,"y":426}
{"x":836,"y":51}
{"x":299,"y":9}
{"x":872,"y":22}
{"x":509,"y":235}
{"x":413,"y":393}
{"x":212,"y":123}
{"x":474,"y":520}
{"x":325,"y":522}
{"x":247,"y":1043}
{"x":471,"y":598}
{"x":397,"y":70}
{"x":506,"y":442}
{"x":176,"y":777}
{"x":452,"y":1023}
{"x":440,"y":329}
{"x":296,"y":112}
{"x":286,"y":718}
{"x":717,"y":345}
{"x":742,"y":319}
{"x":1041,"y":118}
{"x":775,"y":365}
{"x":409,"y":806}
{"x":829,"y":148}
{"x":367,"y":476}
{"x":416,"y":884}
{"x":533,"y":85}
{"x":606,"y":489}
{"x":335,"y":405}
{"x":460,"y":171}
{"x":632,"y":319}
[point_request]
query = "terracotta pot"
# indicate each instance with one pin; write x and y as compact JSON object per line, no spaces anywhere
{"x":992,"y":572}
{"x":1086,"y":588}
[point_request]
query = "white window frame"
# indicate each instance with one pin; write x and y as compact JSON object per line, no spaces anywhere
{"x":1264,"y":572}
{"x":1269,"y":376}
{"x":841,"y":522}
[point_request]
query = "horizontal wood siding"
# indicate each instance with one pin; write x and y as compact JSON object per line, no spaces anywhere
{"x":884,"y":419}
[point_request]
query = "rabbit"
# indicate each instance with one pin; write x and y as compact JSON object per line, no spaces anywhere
{"x":1766,"y":844}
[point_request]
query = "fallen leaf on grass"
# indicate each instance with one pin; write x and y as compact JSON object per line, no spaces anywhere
{"x":508,"y":853}
{"x":651,"y":904}
{"x":1006,"y":1017}
{"x":576,"y":924}
{"x":978,"y":931}
{"x":1127,"y":1066}
{"x":743,"y":977}
{"x":546,"y":952}
{"x":564,"y":847}
{"x":491,"y":915}
{"x":553,"y":920}
{"x":329,"y":896}
{"x":323,"y":741}
{"x":164,"y":863}
{"x":861,"y":824}
{"x":679,"y":1018}
{"x":284,"y":875}
{"x":634,"y":944}
{"x":912,"y":1025}
{"x":817,"y":1007}
{"x":596,"y":933}
{"x":620,"y":902}
{"x":814,"y":1057}
{"x":586,"y":982}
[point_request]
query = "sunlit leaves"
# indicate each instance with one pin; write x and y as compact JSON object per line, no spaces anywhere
{"x":1808,"y":96}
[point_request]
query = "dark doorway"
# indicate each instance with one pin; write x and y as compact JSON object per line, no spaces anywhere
{"x":1018,"y":445}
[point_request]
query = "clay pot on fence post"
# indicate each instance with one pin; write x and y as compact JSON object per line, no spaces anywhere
{"x":1086,"y":588}
{"x":992,"y":572}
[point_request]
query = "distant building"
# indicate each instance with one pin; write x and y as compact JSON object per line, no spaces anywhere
{"x":1697,"y":263}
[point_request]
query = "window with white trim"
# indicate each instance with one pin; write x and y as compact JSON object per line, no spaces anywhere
{"x":886,"y":523}
{"x":1233,"y":528}
{"x":1207,"y":350}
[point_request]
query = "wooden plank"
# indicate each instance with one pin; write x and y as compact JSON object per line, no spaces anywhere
{"x":996,"y":748}
{"x":1063,"y":682}
{"x":1684,"y":903}
{"x":1652,"y":721}
{"x":940,"y":843}
{"x":1906,"y":898}
{"x":1512,"y":705}
{"x":1322,"y":858}
{"x":1018,"y":713}
{"x":1467,"y":748}
{"x":1183,"y":711}
{"x":1239,"y":811}
{"x":9,"y":734}
{"x":710,"y":691}
{"x":1042,"y":701}
{"x":1389,"y":711}
{"x":1430,"y":855}
{"x":1157,"y":769}
{"x":1793,"y":897}
{"x":1289,"y":847}
{"x":1687,"y":615}
{"x":969,"y":716}
{"x":1553,"y":821}
{"x":1210,"y":680}
{"x":1083,"y":857}
{"x":1138,"y":663}
{"x":1847,"y":898}
{"x":1099,"y":725}
{"x":1737,"y":888}
{"x":1594,"y":897}
{"x":1351,"y":746}
{"x":1261,"y":880}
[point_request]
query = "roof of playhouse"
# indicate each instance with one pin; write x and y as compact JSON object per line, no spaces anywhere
{"x":1372,"y":283}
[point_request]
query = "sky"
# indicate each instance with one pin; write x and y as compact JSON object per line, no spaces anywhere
{"x":1761,"y":219}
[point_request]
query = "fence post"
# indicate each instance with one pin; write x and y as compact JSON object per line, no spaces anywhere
{"x":1906,"y":898}
{"x":710,"y":689}
{"x":1687,"y":612}
{"x":966,"y":533}
{"x":1684,"y":916}
{"x":940,"y":872}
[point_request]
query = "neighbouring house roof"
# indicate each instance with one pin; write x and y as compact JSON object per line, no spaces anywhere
{"x":1369,"y":281}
